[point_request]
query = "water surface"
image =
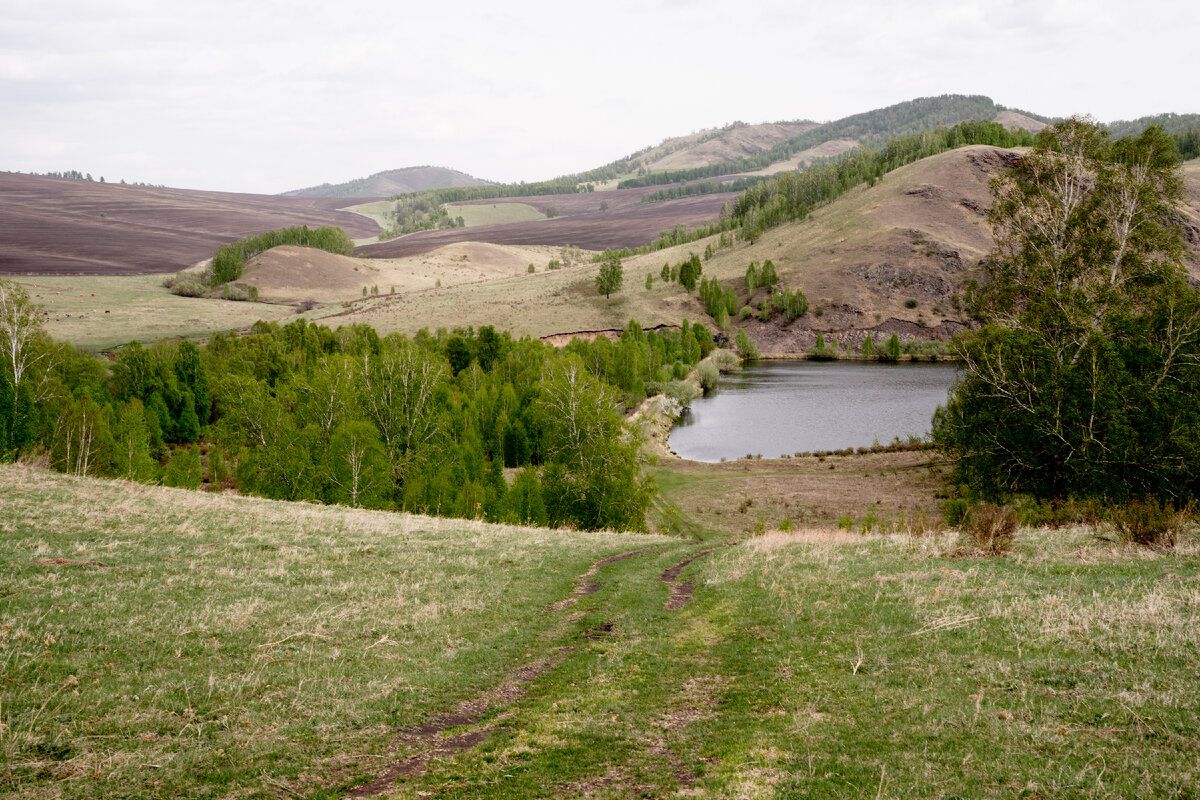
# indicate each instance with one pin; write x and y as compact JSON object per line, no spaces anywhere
{"x":775,"y":408}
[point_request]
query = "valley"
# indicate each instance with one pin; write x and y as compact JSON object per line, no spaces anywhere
{"x":216,"y":582}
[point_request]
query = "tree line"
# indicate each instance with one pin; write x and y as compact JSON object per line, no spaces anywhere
{"x":229,"y":260}
{"x":425,"y":424}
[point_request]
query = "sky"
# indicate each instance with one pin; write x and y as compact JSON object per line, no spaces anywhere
{"x":269,"y":96}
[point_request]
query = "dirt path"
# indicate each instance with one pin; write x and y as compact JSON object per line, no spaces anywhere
{"x":432,"y":740}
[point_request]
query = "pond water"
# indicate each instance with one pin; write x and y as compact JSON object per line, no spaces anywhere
{"x":776,"y":408}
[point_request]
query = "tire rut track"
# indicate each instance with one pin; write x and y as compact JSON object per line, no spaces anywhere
{"x":431,"y":740}
{"x":681,"y":591}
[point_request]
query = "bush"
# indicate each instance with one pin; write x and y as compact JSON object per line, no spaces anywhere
{"x":990,"y":528}
{"x":745,"y":347}
{"x":1147,"y":522}
{"x":726,"y":361}
{"x":708,"y":375}
{"x":681,"y":392}
{"x":187,"y":287}
{"x":232,"y":291}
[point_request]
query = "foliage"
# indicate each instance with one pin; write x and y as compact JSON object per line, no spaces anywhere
{"x":419,"y":212}
{"x":300,"y":412}
{"x":24,"y":356}
{"x":593,"y":478}
{"x":707,"y":374}
{"x":989,"y":527}
{"x":746,"y":349}
{"x":611,"y":275}
{"x":1148,"y":522}
{"x":690,"y":271}
{"x":1083,"y":381}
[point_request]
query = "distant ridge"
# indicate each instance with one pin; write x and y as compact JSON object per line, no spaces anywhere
{"x":392,"y":181}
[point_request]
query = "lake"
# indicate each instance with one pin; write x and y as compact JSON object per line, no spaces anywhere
{"x":776,"y":408}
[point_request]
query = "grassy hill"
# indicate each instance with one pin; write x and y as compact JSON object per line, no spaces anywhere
{"x":161,"y":643}
{"x":391,"y":182}
{"x":914,"y":235}
{"x":917,"y":235}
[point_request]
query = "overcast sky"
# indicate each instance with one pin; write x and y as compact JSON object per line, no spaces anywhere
{"x":271,"y":96}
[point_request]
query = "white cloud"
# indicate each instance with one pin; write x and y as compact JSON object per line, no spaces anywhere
{"x":272,"y":96}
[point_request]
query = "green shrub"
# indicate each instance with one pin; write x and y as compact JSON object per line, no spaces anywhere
{"x":1147,"y":522}
{"x":234,"y":291}
{"x":726,"y":361}
{"x":681,"y":392}
{"x":746,"y":348}
{"x":746,"y":313}
{"x":910,"y":303}
{"x":708,"y":375}
{"x":187,"y":287}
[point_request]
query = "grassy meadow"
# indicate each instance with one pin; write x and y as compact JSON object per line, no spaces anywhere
{"x":160,"y":643}
{"x":494,"y":214}
{"x":99,"y":312}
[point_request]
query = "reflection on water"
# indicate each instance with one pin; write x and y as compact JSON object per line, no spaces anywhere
{"x":775,"y":408}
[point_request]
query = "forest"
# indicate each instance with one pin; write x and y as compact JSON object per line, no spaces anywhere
{"x":300,"y":412}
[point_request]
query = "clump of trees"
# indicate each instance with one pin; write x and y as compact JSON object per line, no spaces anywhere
{"x":230,"y":259}
{"x":1082,"y":382}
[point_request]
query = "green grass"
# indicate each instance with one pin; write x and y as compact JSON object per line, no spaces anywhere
{"x":238,"y":647}
{"x":495,"y":213}
{"x":381,"y":211}
{"x":229,"y":643}
{"x":99,"y":312}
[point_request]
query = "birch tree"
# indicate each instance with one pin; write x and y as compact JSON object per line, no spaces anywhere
{"x":1082,"y":381}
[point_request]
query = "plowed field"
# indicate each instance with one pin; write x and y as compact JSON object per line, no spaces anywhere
{"x":626,"y":223}
{"x":53,"y":226}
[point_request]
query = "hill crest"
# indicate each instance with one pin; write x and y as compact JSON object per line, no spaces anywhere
{"x":391,"y":182}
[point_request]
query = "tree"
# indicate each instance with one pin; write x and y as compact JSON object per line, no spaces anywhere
{"x":611,"y":274}
{"x":1082,"y":381}
{"x":593,"y":478}
{"x":20,"y":332}
{"x":23,"y":349}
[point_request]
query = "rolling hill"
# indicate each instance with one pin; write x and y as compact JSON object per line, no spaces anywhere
{"x":391,"y":182}
{"x":888,"y":258}
{"x":57,"y":226}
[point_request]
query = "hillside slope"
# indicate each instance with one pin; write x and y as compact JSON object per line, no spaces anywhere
{"x":56,"y":226}
{"x":890,"y":258}
{"x":719,"y":145}
{"x":390,"y":182}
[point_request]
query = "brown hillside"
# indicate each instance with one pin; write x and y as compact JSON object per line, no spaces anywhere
{"x":290,"y":274}
{"x":390,"y":182}
{"x":55,"y":226}
{"x":916,"y":235}
{"x":720,"y":145}
{"x":1012,"y":120}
